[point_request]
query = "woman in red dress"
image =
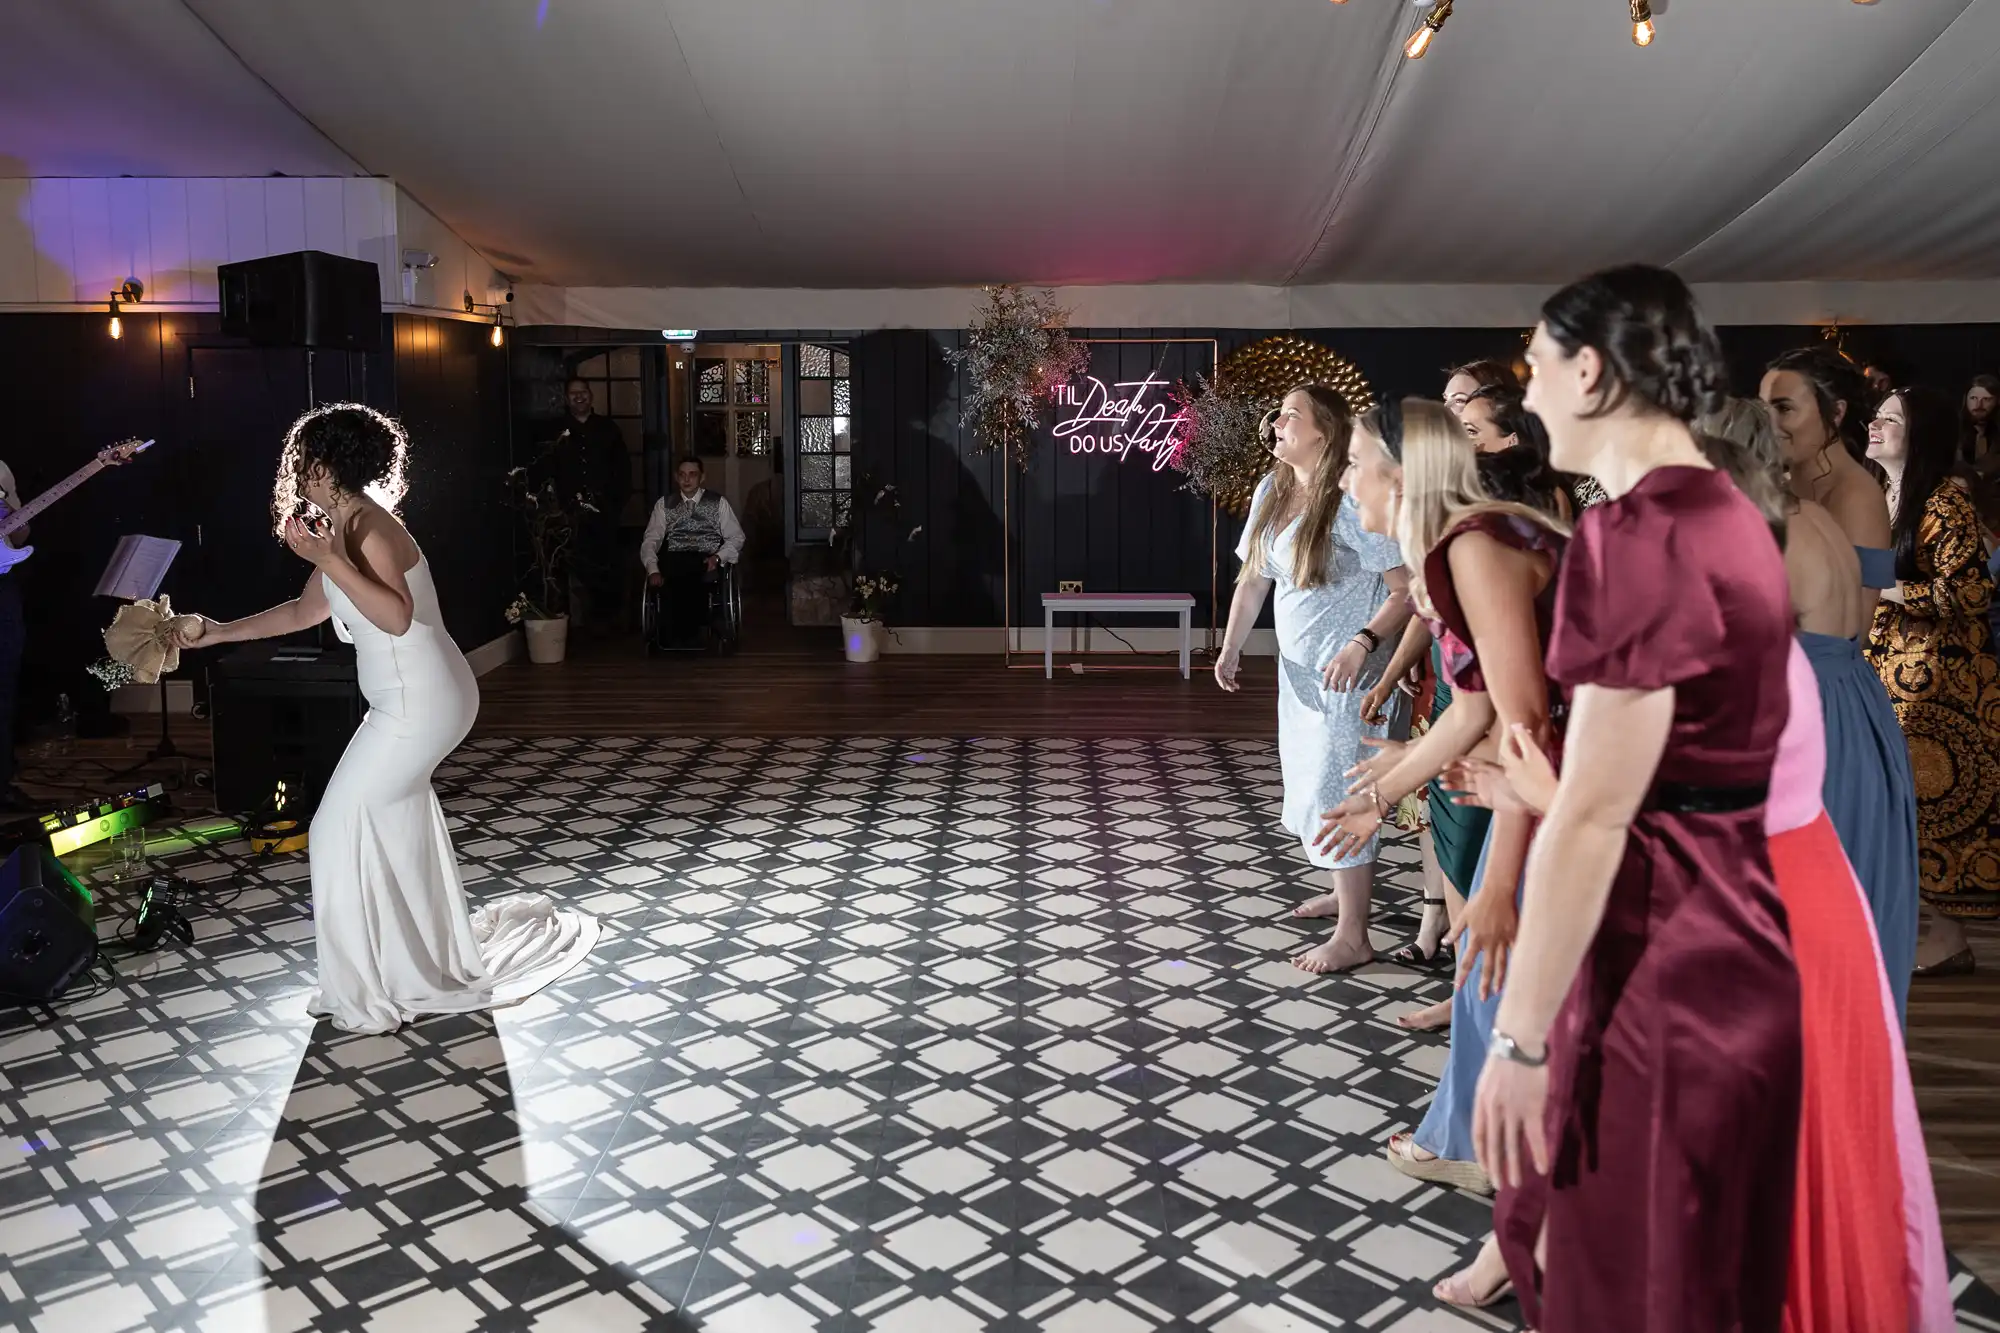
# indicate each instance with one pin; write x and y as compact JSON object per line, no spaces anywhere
{"x":1640,"y":1103}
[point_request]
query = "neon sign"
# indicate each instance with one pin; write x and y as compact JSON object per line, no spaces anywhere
{"x":1116,"y":423}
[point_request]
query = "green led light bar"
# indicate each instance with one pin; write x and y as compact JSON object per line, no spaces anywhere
{"x":64,"y":841}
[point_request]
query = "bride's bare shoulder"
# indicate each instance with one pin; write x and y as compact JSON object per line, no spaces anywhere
{"x":383,"y":544}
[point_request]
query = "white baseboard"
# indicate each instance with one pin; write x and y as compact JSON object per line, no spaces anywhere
{"x":509,"y":647}
{"x":990,"y":640}
{"x":135,"y":699}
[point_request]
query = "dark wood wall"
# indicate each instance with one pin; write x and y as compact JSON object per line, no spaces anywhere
{"x":909,"y":435}
{"x":67,"y":389}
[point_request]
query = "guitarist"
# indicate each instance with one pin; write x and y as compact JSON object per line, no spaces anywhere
{"x":13,"y":641}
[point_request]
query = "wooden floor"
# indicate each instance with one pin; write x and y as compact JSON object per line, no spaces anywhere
{"x":804,"y":688}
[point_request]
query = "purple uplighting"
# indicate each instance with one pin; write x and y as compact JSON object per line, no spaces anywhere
{"x":541,"y":13}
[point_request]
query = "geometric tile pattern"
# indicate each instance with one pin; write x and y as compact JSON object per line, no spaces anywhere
{"x":899,"y":1035}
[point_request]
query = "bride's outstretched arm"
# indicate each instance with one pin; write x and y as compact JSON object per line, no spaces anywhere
{"x":309,"y":608}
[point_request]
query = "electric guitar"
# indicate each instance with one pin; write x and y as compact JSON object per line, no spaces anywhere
{"x":10,"y":520}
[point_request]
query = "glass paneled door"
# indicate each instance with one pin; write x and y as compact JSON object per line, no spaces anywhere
{"x":822,"y":439}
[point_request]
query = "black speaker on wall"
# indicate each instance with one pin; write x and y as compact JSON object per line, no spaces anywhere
{"x":280,"y":713}
{"x":48,"y":926}
{"x":305,"y":299}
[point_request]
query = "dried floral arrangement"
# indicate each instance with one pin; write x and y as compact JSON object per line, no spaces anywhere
{"x":1216,"y":433}
{"x":1221,"y":444}
{"x":1017,"y":352}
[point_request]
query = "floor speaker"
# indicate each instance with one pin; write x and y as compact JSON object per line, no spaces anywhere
{"x":48,"y":926}
{"x":280,"y":713}
{"x":305,"y":299}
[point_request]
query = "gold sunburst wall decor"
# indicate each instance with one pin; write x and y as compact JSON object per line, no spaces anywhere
{"x":1256,"y":377}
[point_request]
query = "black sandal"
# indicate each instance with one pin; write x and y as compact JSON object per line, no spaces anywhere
{"x":1410,"y":955}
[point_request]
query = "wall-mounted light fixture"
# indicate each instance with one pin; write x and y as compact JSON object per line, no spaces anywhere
{"x":498,"y":337}
{"x":129,"y":292}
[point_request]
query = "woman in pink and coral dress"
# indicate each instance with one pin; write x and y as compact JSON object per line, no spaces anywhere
{"x":1867,"y":1256}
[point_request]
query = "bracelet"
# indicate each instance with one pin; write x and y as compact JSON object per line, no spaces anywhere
{"x":1373,"y":640}
{"x":1500,"y":1046}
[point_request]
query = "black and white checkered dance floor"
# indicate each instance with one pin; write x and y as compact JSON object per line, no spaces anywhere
{"x":933,"y":1036}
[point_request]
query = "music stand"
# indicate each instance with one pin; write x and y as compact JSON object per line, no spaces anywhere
{"x":134,"y":573}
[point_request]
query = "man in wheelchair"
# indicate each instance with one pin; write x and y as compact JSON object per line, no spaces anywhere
{"x":702,"y":540}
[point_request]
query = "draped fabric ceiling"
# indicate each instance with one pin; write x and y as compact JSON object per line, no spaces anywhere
{"x":867,"y":144}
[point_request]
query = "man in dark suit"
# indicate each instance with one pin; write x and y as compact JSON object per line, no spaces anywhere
{"x":588,"y":458}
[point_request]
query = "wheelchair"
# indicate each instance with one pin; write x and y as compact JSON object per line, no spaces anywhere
{"x":724,"y":631}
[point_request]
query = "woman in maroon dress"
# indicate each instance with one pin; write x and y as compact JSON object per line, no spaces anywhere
{"x":1640,"y":1102}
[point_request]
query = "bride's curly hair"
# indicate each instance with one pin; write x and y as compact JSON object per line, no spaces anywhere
{"x":359,"y":449}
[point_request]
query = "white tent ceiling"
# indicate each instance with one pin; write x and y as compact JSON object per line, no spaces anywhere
{"x":911,"y":143}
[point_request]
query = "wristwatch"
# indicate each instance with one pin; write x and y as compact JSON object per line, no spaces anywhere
{"x":1500,"y":1046}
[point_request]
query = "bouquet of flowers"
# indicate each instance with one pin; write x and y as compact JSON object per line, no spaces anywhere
{"x":1017,"y":353}
{"x":141,"y":643}
{"x":871,"y":592}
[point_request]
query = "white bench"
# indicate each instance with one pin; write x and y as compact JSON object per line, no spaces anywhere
{"x":1169,"y":603}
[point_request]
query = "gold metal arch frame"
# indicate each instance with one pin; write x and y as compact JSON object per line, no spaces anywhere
{"x":1011,"y":642}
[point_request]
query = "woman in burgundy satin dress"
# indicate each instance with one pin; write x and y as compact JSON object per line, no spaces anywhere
{"x":1640,"y":1102}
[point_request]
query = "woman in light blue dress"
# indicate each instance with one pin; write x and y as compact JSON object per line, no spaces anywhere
{"x":1339,"y":611}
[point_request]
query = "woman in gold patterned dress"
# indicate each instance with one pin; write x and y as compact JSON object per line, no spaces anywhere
{"x":1933,"y":647}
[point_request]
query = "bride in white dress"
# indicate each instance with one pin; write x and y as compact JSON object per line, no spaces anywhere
{"x":394,"y":935}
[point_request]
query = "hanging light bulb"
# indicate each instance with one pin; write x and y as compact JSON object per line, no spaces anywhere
{"x":1642,"y":22}
{"x":129,"y":291}
{"x":1420,"y":40}
{"x":498,"y":337}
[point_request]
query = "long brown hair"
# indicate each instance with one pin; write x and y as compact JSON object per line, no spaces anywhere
{"x":1321,"y":501}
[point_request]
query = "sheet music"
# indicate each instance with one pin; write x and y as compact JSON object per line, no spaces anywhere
{"x":136,"y":568}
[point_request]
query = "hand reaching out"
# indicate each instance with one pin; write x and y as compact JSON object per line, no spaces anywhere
{"x":1528,"y":768}
{"x":1373,"y":767}
{"x":1347,"y":827}
{"x":1482,"y":782}
{"x":1523,"y":780}
{"x":188,"y":631}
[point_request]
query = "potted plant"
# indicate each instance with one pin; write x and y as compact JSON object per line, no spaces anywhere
{"x":861,"y":627}
{"x":542,"y":611}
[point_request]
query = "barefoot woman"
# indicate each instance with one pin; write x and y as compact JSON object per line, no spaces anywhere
{"x":389,"y":914}
{"x":1340,"y":610}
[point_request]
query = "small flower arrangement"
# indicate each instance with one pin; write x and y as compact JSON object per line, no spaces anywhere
{"x":112,"y":674}
{"x":871,"y":592}
{"x":551,"y":525}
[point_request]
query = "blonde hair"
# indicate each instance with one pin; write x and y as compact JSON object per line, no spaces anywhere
{"x":1742,"y":440}
{"x":1441,"y":488}
{"x":1322,"y":501}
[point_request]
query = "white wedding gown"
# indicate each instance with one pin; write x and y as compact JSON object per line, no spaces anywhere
{"x":389,"y":912}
